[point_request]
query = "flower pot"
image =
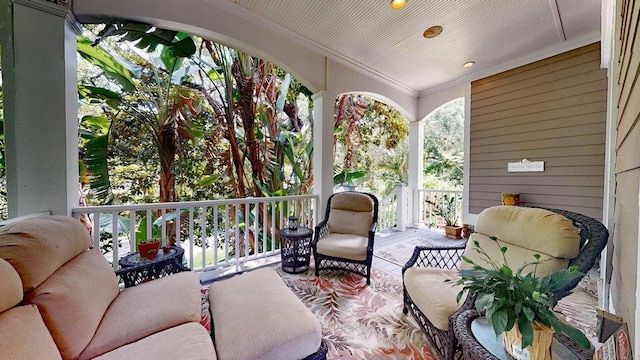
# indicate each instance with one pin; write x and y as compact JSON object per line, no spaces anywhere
{"x":510,"y":199}
{"x":453,"y":232}
{"x":149,"y":250}
{"x":539,"y":350}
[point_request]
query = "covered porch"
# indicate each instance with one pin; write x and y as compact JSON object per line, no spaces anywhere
{"x":42,"y":165}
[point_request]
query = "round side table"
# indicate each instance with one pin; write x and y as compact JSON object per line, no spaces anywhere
{"x":295,"y":249}
{"x":479,"y":342}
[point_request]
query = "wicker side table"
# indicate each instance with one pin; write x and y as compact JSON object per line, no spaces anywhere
{"x":136,"y":269}
{"x":295,"y":249}
{"x":479,"y":342}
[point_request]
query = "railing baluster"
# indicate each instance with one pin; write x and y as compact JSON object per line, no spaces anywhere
{"x":116,"y":241}
{"x":191,"y":236}
{"x":215,"y":234}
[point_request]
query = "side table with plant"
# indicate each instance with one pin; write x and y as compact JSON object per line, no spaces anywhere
{"x":518,"y":304}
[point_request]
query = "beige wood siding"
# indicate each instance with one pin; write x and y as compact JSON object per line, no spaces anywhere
{"x":626,"y":94}
{"x":553,"y":110}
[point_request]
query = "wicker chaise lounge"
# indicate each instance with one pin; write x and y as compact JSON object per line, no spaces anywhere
{"x":568,"y":240}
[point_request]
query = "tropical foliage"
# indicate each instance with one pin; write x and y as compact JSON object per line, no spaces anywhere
{"x":444,"y":147}
{"x":369,"y":144}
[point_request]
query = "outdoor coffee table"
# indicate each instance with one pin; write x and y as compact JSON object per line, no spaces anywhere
{"x":295,"y":249}
{"x":479,"y":341}
{"x":136,"y":269}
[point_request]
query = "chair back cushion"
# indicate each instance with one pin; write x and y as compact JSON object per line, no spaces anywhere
{"x":24,"y":336}
{"x":350,"y":213}
{"x":37,"y":247}
{"x":525,"y":232}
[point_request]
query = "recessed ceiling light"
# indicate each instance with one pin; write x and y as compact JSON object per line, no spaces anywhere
{"x":398,"y":4}
{"x":469,"y":64}
{"x":432,"y":32}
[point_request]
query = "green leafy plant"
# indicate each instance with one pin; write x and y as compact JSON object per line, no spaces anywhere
{"x":445,"y":208}
{"x":507,"y":297}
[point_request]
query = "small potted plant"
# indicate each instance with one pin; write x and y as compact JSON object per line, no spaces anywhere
{"x":148,"y":249}
{"x":519,"y":305}
{"x":447,"y":210}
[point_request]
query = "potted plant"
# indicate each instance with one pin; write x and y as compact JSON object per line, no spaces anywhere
{"x":447,"y":210}
{"x":519,"y":305}
{"x":148,"y":249}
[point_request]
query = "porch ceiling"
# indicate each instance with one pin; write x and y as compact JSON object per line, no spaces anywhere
{"x":371,"y":35}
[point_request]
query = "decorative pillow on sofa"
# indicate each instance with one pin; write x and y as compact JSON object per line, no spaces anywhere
{"x":205,"y":320}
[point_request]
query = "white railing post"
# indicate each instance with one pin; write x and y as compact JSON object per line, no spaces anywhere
{"x":401,"y":206}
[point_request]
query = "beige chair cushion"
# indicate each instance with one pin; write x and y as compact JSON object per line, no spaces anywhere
{"x":188,"y":341}
{"x":435,"y":298}
{"x":243,"y":306}
{"x":145,"y":309}
{"x":74,"y":299}
{"x":23,"y":335}
{"x":516,"y":256}
{"x":39,"y":246}
{"x":540,"y":230}
{"x":352,"y":201}
{"x":349,"y":222}
{"x":345,"y":246}
{"x":10,"y":286}
{"x":350,"y":213}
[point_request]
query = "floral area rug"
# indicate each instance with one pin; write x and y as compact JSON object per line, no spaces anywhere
{"x":359,"y":321}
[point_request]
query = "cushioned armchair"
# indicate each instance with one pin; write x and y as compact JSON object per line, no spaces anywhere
{"x":562,"y":238}
{"x":344,"y":239}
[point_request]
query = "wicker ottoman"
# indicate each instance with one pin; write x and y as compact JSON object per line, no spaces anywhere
{"x":256,"y":316}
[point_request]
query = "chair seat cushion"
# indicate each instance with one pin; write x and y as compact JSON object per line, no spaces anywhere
{"x":345,"y":246}
{"x":256,"y":316}
{"x":188,"y":341}
{"x":147,"y":308}
{"x":435,"y":298}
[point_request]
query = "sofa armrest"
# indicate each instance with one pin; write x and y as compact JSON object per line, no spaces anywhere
{"x":436,"y":256}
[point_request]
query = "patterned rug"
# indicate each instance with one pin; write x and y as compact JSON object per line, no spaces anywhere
{"x":400,"y":253}
{"x":359,"y":321}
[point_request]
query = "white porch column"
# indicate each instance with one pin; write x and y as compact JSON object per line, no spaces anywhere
{"x":323,"y":110}
{"x":416,"y":167}
{"x":40,"y":105}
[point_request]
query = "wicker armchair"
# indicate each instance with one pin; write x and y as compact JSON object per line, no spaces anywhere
{"x":344,"y":239}
{"x":444,"y":262}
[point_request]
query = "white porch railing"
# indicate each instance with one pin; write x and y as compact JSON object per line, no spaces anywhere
{"x":214,"y":233}
{"x":392,"y":209}
{"x":423,"y":211}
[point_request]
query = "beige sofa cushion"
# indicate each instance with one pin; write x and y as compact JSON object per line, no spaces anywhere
{"x":243,"y":306}
{"x":39,"y":246}
{"x":23,"y":335}
{"x":435,"y":298}
{"x":188,"y":341}
{"x":145,"y":309}
{"x":10,"y":286}
{"x":344,"y":246}
{"x":73,"y":300}
{"x":516,"y":256}
{"x":540,"y":230}
{"x":351,"y":213}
